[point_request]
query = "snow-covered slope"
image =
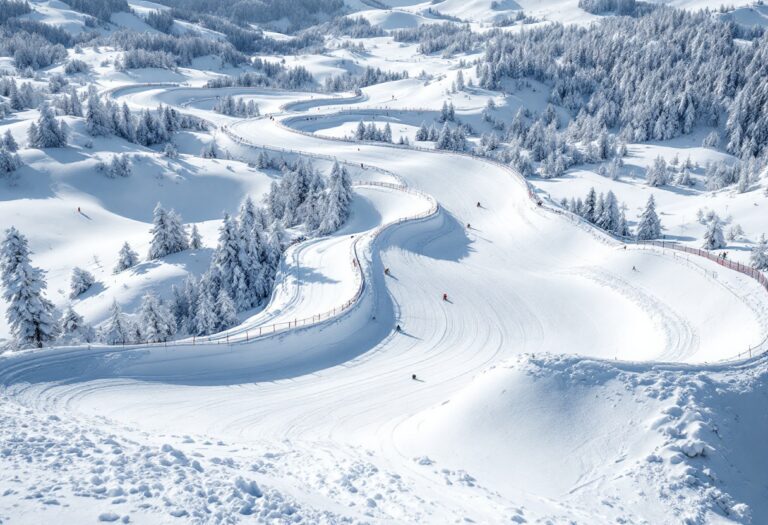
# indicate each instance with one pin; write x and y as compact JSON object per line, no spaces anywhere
{"x":454,"y":353}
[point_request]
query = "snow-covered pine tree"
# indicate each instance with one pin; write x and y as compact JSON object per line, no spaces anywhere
{"x":623,"y":228}
{"x":146,"y":134}
{"x":275,"y":202}
{"x":177,"y":232}
{"x":117,"y":329}
{"x":75,"y":107}
{"x":192,"y":298}
{"x":156,"y":322}
{"x":205,"y":316}
{"x":9,"y":143}
{"x":713,"y":237}
{"x":589,"y":207}
{"x":610,"y":217}
{"x":337,"y":201}
{"x":360,"y":131}
{"x":225,"y":311}
{"x":445,"y":139}
{"x":126,"y":258}
{"x":47,"y":132}
{"x":168,"y":234}
{"x":758,"y":258}
{"x":251,"y":235}
{"x":9,"y":161}
{"x":80,"y":282}
{"x":195,"y":240}
{"x":444,"y":112}
{"x":75,"y":329}
{"x":460,"y":81}
{"x":387,"y":134}
{"x":423,"y":133}
{"x":599,"y":207}
{"x":649,"y":226}
{"x":97,"y":122}
{"x":120,"y":166}
{"x":179,"y":307}
{"x":29,"y":313}
{"x":209,"y":151}
{"x":230,"y":263}
{"x":658,"y":174}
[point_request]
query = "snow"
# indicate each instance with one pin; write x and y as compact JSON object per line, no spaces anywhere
{"x":566,"y":378}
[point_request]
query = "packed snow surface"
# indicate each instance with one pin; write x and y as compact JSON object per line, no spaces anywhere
{"x":329,"y":416}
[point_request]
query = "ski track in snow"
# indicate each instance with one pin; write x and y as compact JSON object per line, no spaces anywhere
{"x":286,"y":403}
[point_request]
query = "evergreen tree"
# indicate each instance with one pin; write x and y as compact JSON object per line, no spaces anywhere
{"x":610,"y":217}
{"x":423,"y":133}
{"x":195,"y":240}
{"x":127,"y":258}
{"x":623,"y":228}
{"x":9,"y":162}
{"x":657,"y":175}
{"x":145,"y":129}
{"x":209,"y":151}
{"x":759,"y":256}
{"x":97,"y":122}
{"x":47,"y":132}
{"x":120,"y":166}
{"x":29,"y":313}
{"x":168,"y":234}
{"x":360,"y":131}
{"x":337,"y":201}
{"x":192,"y":298}
{"x":589,"y":207}
{"x":445,"y":139}
{"x":117,"y":330}
{"x":126,"y":128}
{"x":80,"y":282}
{"x":225,"y":311}
{"x":205,"y":316}
{"x":649,"y":226}
{"x":156,"y":322}
{"x":713,"y":238}
{"x":75,"y":107}
{"x":9,"y":143}
{"x":74,"y":328}
{"x":230,"y":261}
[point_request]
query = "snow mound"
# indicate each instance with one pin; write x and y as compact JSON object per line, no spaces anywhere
{"x":666,"y":439}
{"x":390,"y":20}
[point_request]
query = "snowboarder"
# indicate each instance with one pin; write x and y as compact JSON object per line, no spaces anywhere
{"x":386,"y":271}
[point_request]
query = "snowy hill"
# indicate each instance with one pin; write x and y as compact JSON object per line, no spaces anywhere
{"x":423,"y":262}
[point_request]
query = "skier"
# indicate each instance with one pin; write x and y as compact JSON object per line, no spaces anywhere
{"x":478,"y":204}
{"x":469,"y":226}
{"x":413,"y":376}
{"x":386,"y":271}
{"x":634,"y":269}
{"x":445,"y":297}
{"x":397,"y":328}
{"x":78,"y":209}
